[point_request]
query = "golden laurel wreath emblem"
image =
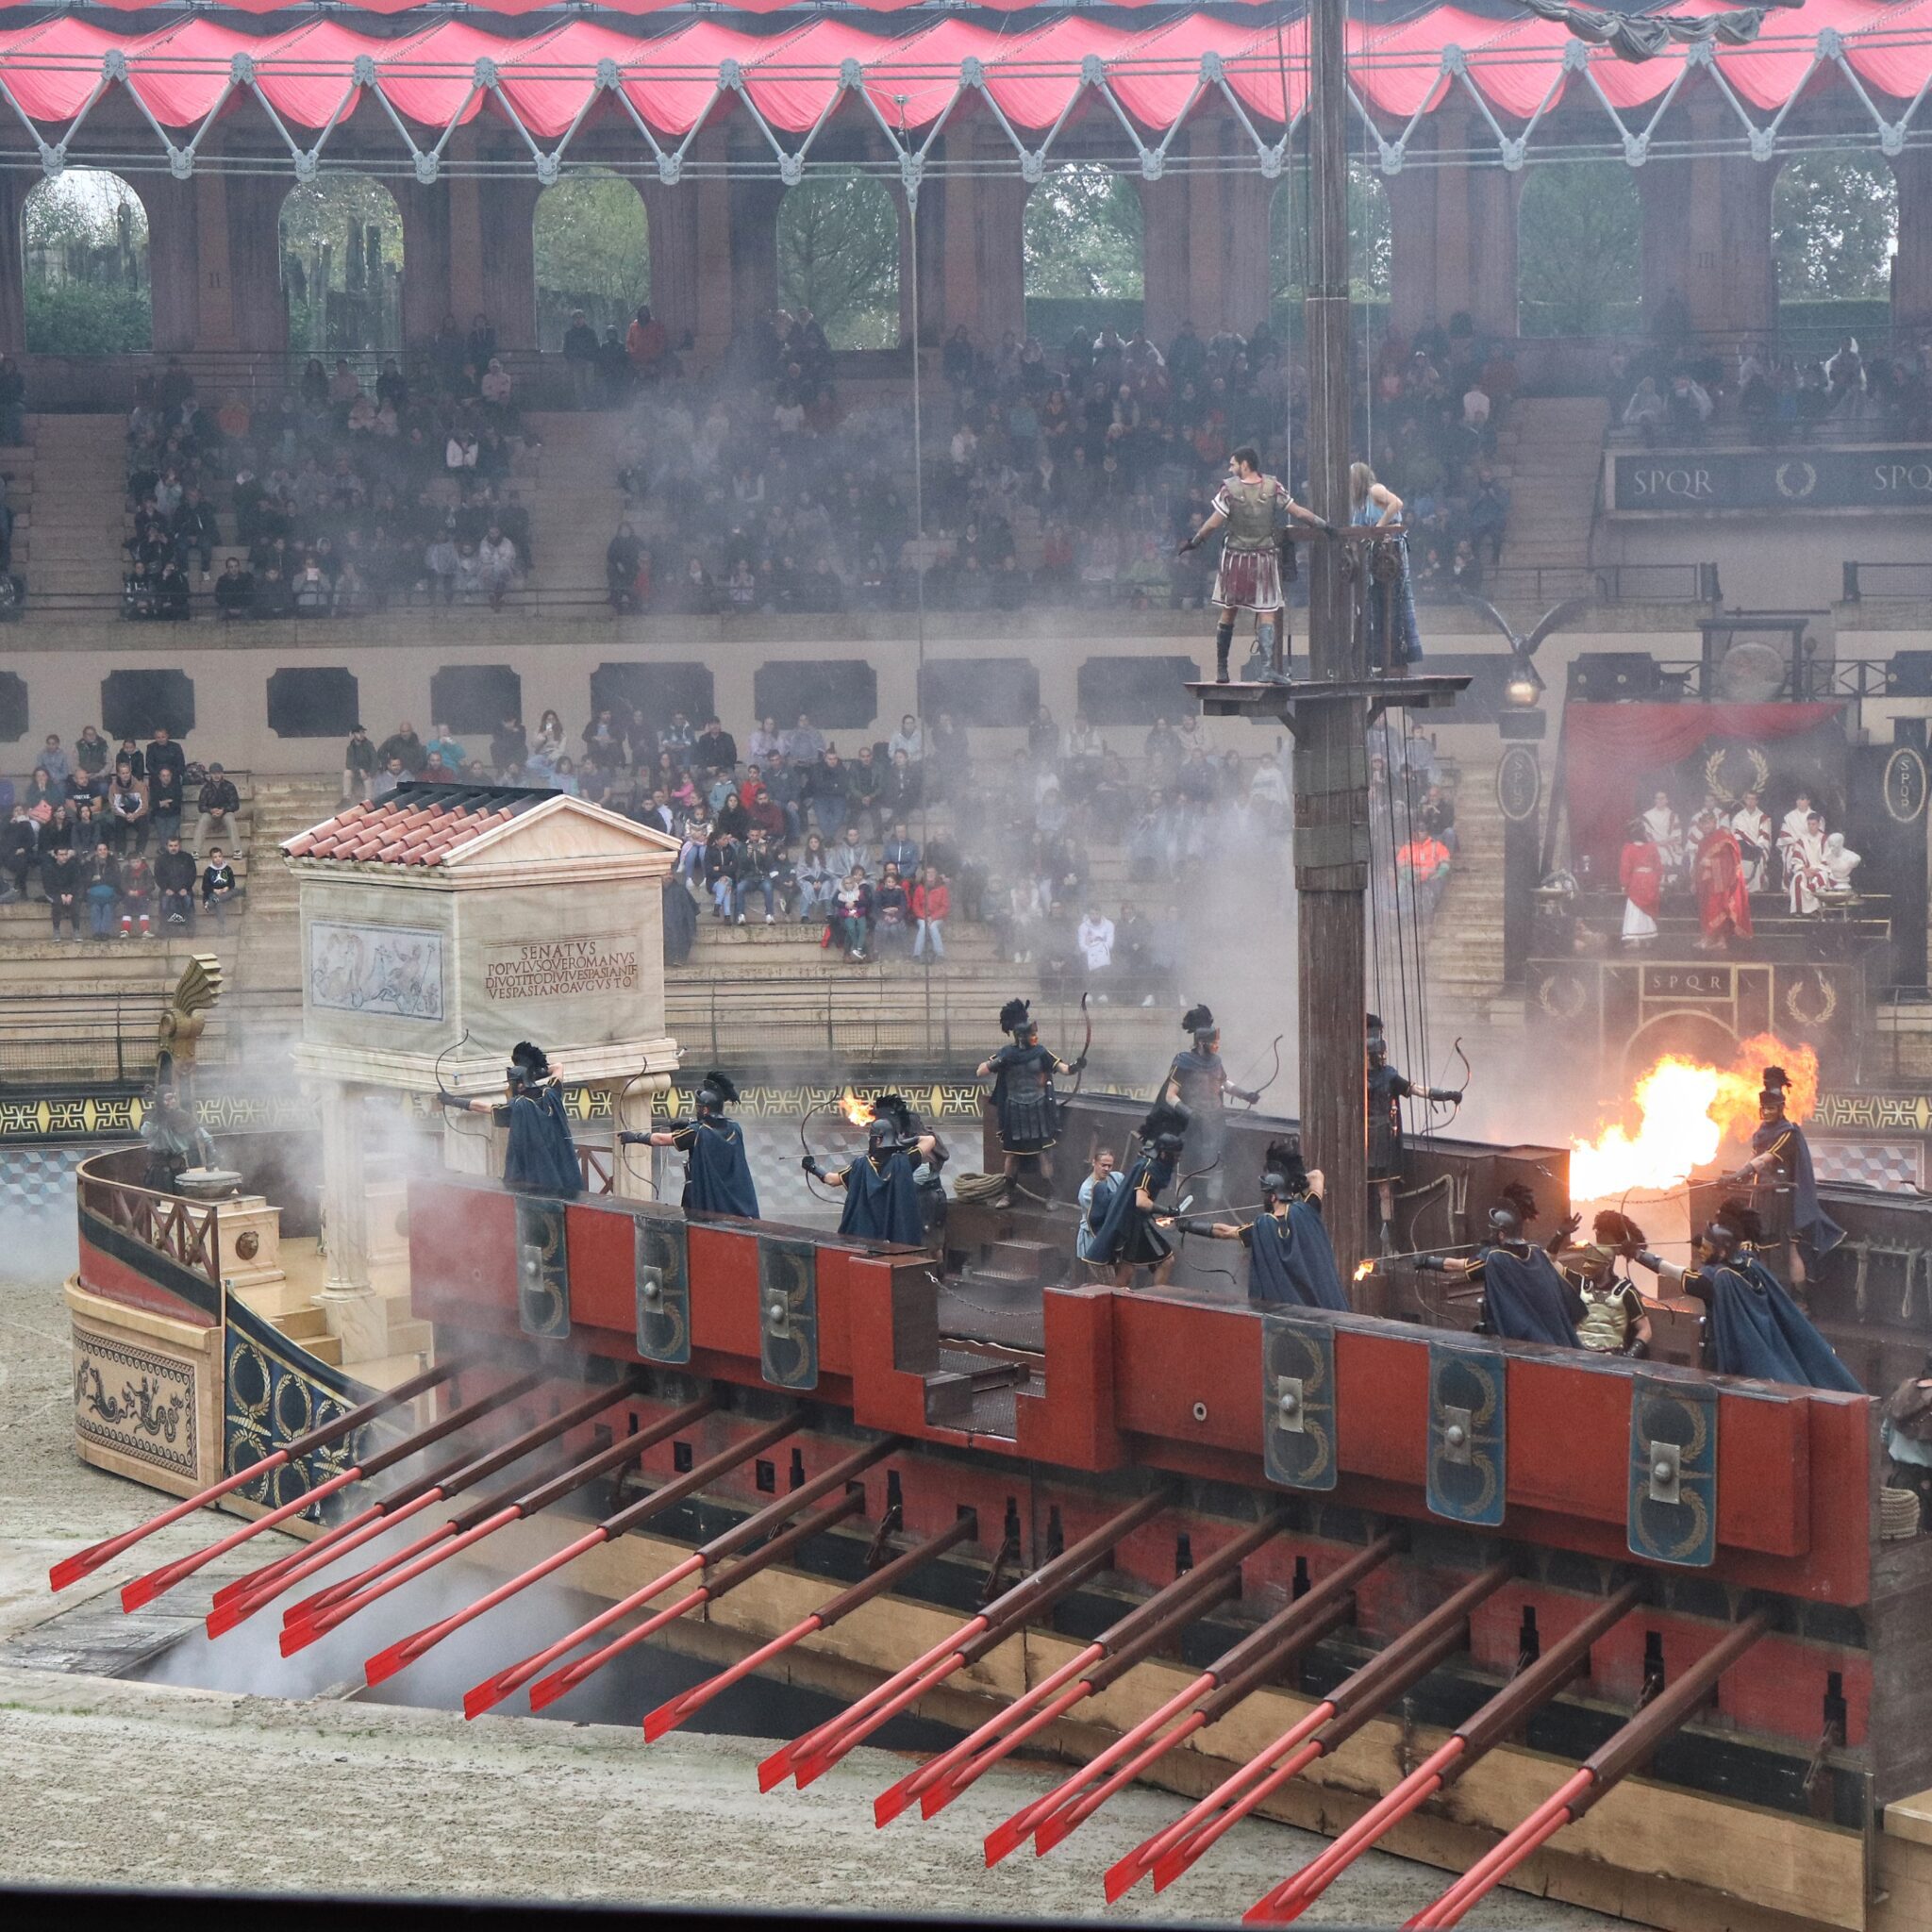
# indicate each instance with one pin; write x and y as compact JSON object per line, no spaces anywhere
{"x":1563,"y":997}
{"x":1827,"y":1000}
{"x":1714,"y":770}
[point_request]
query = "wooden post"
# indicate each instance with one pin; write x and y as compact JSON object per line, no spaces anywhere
{"x":1331,"y":805}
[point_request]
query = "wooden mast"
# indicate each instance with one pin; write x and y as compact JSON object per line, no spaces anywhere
{"x":1331,"y":779}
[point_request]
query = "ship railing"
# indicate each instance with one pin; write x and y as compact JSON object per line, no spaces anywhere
{"x":187,"y":1232}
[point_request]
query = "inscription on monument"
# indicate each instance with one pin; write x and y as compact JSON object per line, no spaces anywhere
{"x":562,"y":968}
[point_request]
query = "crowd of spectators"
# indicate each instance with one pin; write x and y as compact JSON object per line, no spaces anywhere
{"x":1676,"y":387}
{"x":881,"y":844}
{"x":1064,"y":476}
{"x":80,"y":828}
{"x":345,"y":500}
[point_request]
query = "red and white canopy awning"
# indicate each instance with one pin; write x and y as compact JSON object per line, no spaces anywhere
{"x":908,"y":76}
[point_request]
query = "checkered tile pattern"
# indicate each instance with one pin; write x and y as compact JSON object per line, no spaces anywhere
{"x":1871,"y":1163}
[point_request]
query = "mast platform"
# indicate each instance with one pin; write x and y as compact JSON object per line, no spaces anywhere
{"x":1282,"y":697}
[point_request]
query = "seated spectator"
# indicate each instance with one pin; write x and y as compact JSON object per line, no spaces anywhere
{"x":137,"y":896}
{"x":496,"y":558}
{"x":19,"y":854}
{"x":165,"y":802}
{"x":61,"y":882}
{"x":437,"y":773}
{"x":724,"y":873}
{"x":235,"y":591}
{"x":358,"y":766}
{"x":891,"y":911}
{"x":932,"y":904}
{"x":626,"y":581}
{"x":817,"y":883}
{"x":219,"y":889}
{"x":445,"y":744}
{"x":101,"y":878}
{"x":901,"y":789}
{"x":901,"y":851}
{"x":90,"y":761}
{"x":405,"y":744}
{"x":762,"y":874}
{"x":1094,"y":938}
{"x":217,"y":805}
{"x":391,"y":775}
{"x":850,"y":923}
{"x":175,"y":877}
{"x":1421,"y":864}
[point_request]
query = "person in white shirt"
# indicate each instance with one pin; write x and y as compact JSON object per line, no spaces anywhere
{"x":1751,"y":823}
{"x":1095,"y":940}
{"x":496,"y":558}
{"x":910,"y":738}
{"x":1666,"y":831}
{"x":1790,"y":834}
{"x":1809,"y":874}
{"x":1475,"y":407}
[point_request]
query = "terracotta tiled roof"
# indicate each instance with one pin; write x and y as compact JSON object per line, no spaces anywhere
{"x":416,"y":824}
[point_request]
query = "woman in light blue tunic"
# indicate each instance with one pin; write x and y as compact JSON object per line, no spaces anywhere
{"x":1391,"y":605}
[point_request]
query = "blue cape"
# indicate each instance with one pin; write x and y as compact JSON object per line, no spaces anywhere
{"x":1126,"y":1232}
{"x":882,"y":1206}
{"x":717,"y":1179}
{"x":1291,"y":1261}
{"x":541,"y":1155}
{"x":1808,"y":1218}
{"x":1758,"y":1329}
{"x":1528,"y":1300}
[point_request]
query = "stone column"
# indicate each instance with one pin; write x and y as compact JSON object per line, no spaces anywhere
{"x":350,"y":1304}
{"x":1748,"y":275}
{"x":718,"y":322}
{"x":254,"y":204}
{"x":1494,"y":196}
{"x":754,"y":213}
{"x":506,"y":212}
{"x":670,"y":216}
{"x":1176,"y":285}
{"x":1663,"y":189}
{"x":1911,"y":267}
{"x":13,"y":191}
{"x":426,"y":294}
{"x":1412,"y":248}
{"x":172,"y":253}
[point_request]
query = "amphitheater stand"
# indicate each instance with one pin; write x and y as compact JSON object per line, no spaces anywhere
{"x":1554,"y":466}
{"x":577,"y":506}
{"x":79,"y":475}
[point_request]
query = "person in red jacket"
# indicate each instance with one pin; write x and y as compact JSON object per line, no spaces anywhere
{"x":932,"y":902}
{"x":1640,"y":871}
{"x":1723,"y":904}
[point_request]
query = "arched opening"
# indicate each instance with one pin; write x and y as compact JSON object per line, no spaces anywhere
{"x":593,"y":252}
{"x":84,"y":242}
{"x":1085,"y":254}
{"x":1579,"y":250}
{"x":342,"y":265}
{"x":839,"y":257}
{"x":1834,"y":226}
{"x":1370,"y":248}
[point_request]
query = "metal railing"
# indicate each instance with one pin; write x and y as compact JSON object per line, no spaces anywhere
{"x":1608,"y":583}
{"x":1904,"y":583}
{"x":56,"y":1042}
{"x":185,"y":1231}
{"x":1810,"y":680}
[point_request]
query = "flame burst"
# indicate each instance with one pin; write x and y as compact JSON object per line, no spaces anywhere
{"x":855,"y":1109}
{"x":1364,"y":1270}
{"x":1686,"y":1111}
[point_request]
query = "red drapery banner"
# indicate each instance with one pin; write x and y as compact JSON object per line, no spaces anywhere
{"x":1611,"y":752}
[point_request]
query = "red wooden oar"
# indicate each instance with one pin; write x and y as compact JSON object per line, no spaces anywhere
{"x":85,"y":1562}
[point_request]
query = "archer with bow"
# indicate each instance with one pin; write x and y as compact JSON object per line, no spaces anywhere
{"x":1291,"y":1260}
{"x":717,"y":1176}
{"x":1388,"y":1089}
{"x":540,"y":1155}
{"x":1197,"y":1081}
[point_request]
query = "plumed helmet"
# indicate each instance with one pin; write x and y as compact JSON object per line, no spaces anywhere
{"x":897,"y":1108}
{"x":1771,"y":1096}
{"x":531,"y":1057}
{"x":1283,"y":1171}
{"x":1016,"y":1017}
{"x":1733,"y":1224}
{"x":1515,"y":1208}
{"x":718,"y":1092}
{"x":1614,"y":1229}
{"x":1198,"y":1021}
{"x":1165,"y":1125}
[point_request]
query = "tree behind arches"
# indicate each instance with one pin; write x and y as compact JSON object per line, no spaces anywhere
{"x":1834,"y":227}
{"x":839,"y":257}
{"x":593,"y":252}
{"x":84,"y":238}
{"x":342,"y":237}
{"x":1579,"y":250}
